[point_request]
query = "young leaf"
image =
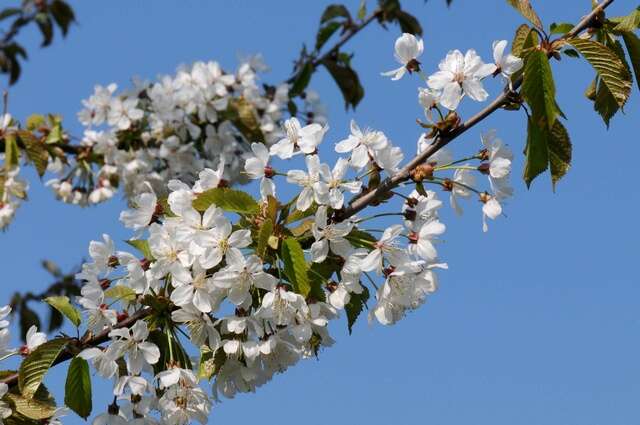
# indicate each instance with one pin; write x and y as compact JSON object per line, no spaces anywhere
{"x":63,"y":305}
{"x":228,"y":199}
{"x":35,"y":150}
{"x":355,"y":306}
{"x":612,"y":71}
{"x":295,"y":266}
{"x":408,"y":23}
{"x":120,"y":293}
{"x":632,"y":42}
{"x":266,"y":230}
{"x":559,"y":152}
{"x":46,"y":28}
{"x":324,"y":33}
{"x":62,"y":14}
{"x":303,"y":77}
{"x":36,"y":365}
{"x":77,"y":389}
{"x":33,"y":409}
{"x":244,"y":116}
{"x":141,"y":245}
{"x":361,"y":239}
{"x":526,"y":10}
{"x":537,"y":151}
{"x":335,"y":11}
{"x":347,"y":80}
{"x":539,"y":89}
{"x":11,"y":152}
{"x":628,"y":23}
{"x":605,"y":103}
{"x":362,"y":9}
{"x":560,"y":28}
{"x":523,"y":39}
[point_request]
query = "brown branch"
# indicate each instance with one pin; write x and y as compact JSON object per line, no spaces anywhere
{"x":76,"y":345}
{"x":394,"y":181}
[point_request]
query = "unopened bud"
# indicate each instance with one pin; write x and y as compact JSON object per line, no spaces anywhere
{"x":484,"y":168}
{"x":412,"y":202}
{"x":413,"y":66}
{"x":113,"y":261}
{"x":485,"y":197}
{"x":145,"y":264}
{"x":105,"y":283}
{"x":410,"y":215}
{"x":421,"y":172}
{"x":269,"y":172}
{"x":387,"y":271}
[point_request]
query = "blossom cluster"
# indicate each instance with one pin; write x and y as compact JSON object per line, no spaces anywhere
{"x":172,"y":128}
{"x":253,"y":284}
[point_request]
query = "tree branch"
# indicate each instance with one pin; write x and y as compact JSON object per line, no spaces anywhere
{"x":394,"y":181}
{"x":357,"y":205}
{"x":84,"y":342}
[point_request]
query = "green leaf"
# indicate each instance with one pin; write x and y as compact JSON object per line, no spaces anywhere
{"x":335,"y":11}
{"x":63,"y":305}
{"x":36,"y":365}
{"x":519,"y":39}
{"x":295,"y":266}
{"x":35,"y":121}
{"x":355,"y":306}
{"x":9,"y":12}
{"x":324,"y":33}
{"x":560,"y":151}
{"x":537,"y":151}
{"x":632,"y":42}
{"x":347,"y":80}
{"x":35,"y":150}
{"x":265,"y":231}
{"x":28,"y":318}
{"x":299,"y":215}
{"x":55,"y":132}
{"x":121,"y":293}
{"x":244,"y":116}
{"x":539,"y":89}
{"x":560,"y":28}
{"x":361,"y":239}
{"x":547,"y":149}
{"x":32,"y":408}
{"x":62,"y":14}
{"x":609,"y":67}
{"x":526,"y":10}
{"x":180,"y":357}
{"x":142,"y":245}
{"x":571,"y":53}
{"x":210,"y":362}
{"x":362,"y":9}
{"x":605,"y":103}
{"x":408,"y":23}
{"x":46,"y":28}
{"x":228,"y":199}
{"x":77,"y":389}
{"x":11,"y":152}
{"x":629,"y":23}
{"x":302,"y":78}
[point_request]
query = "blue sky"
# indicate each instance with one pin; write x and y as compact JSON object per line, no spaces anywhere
{"x":535,"y":322}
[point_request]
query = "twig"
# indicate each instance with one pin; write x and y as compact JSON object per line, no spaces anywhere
{"x":394,"y":181}
{"x":80,"y":344}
